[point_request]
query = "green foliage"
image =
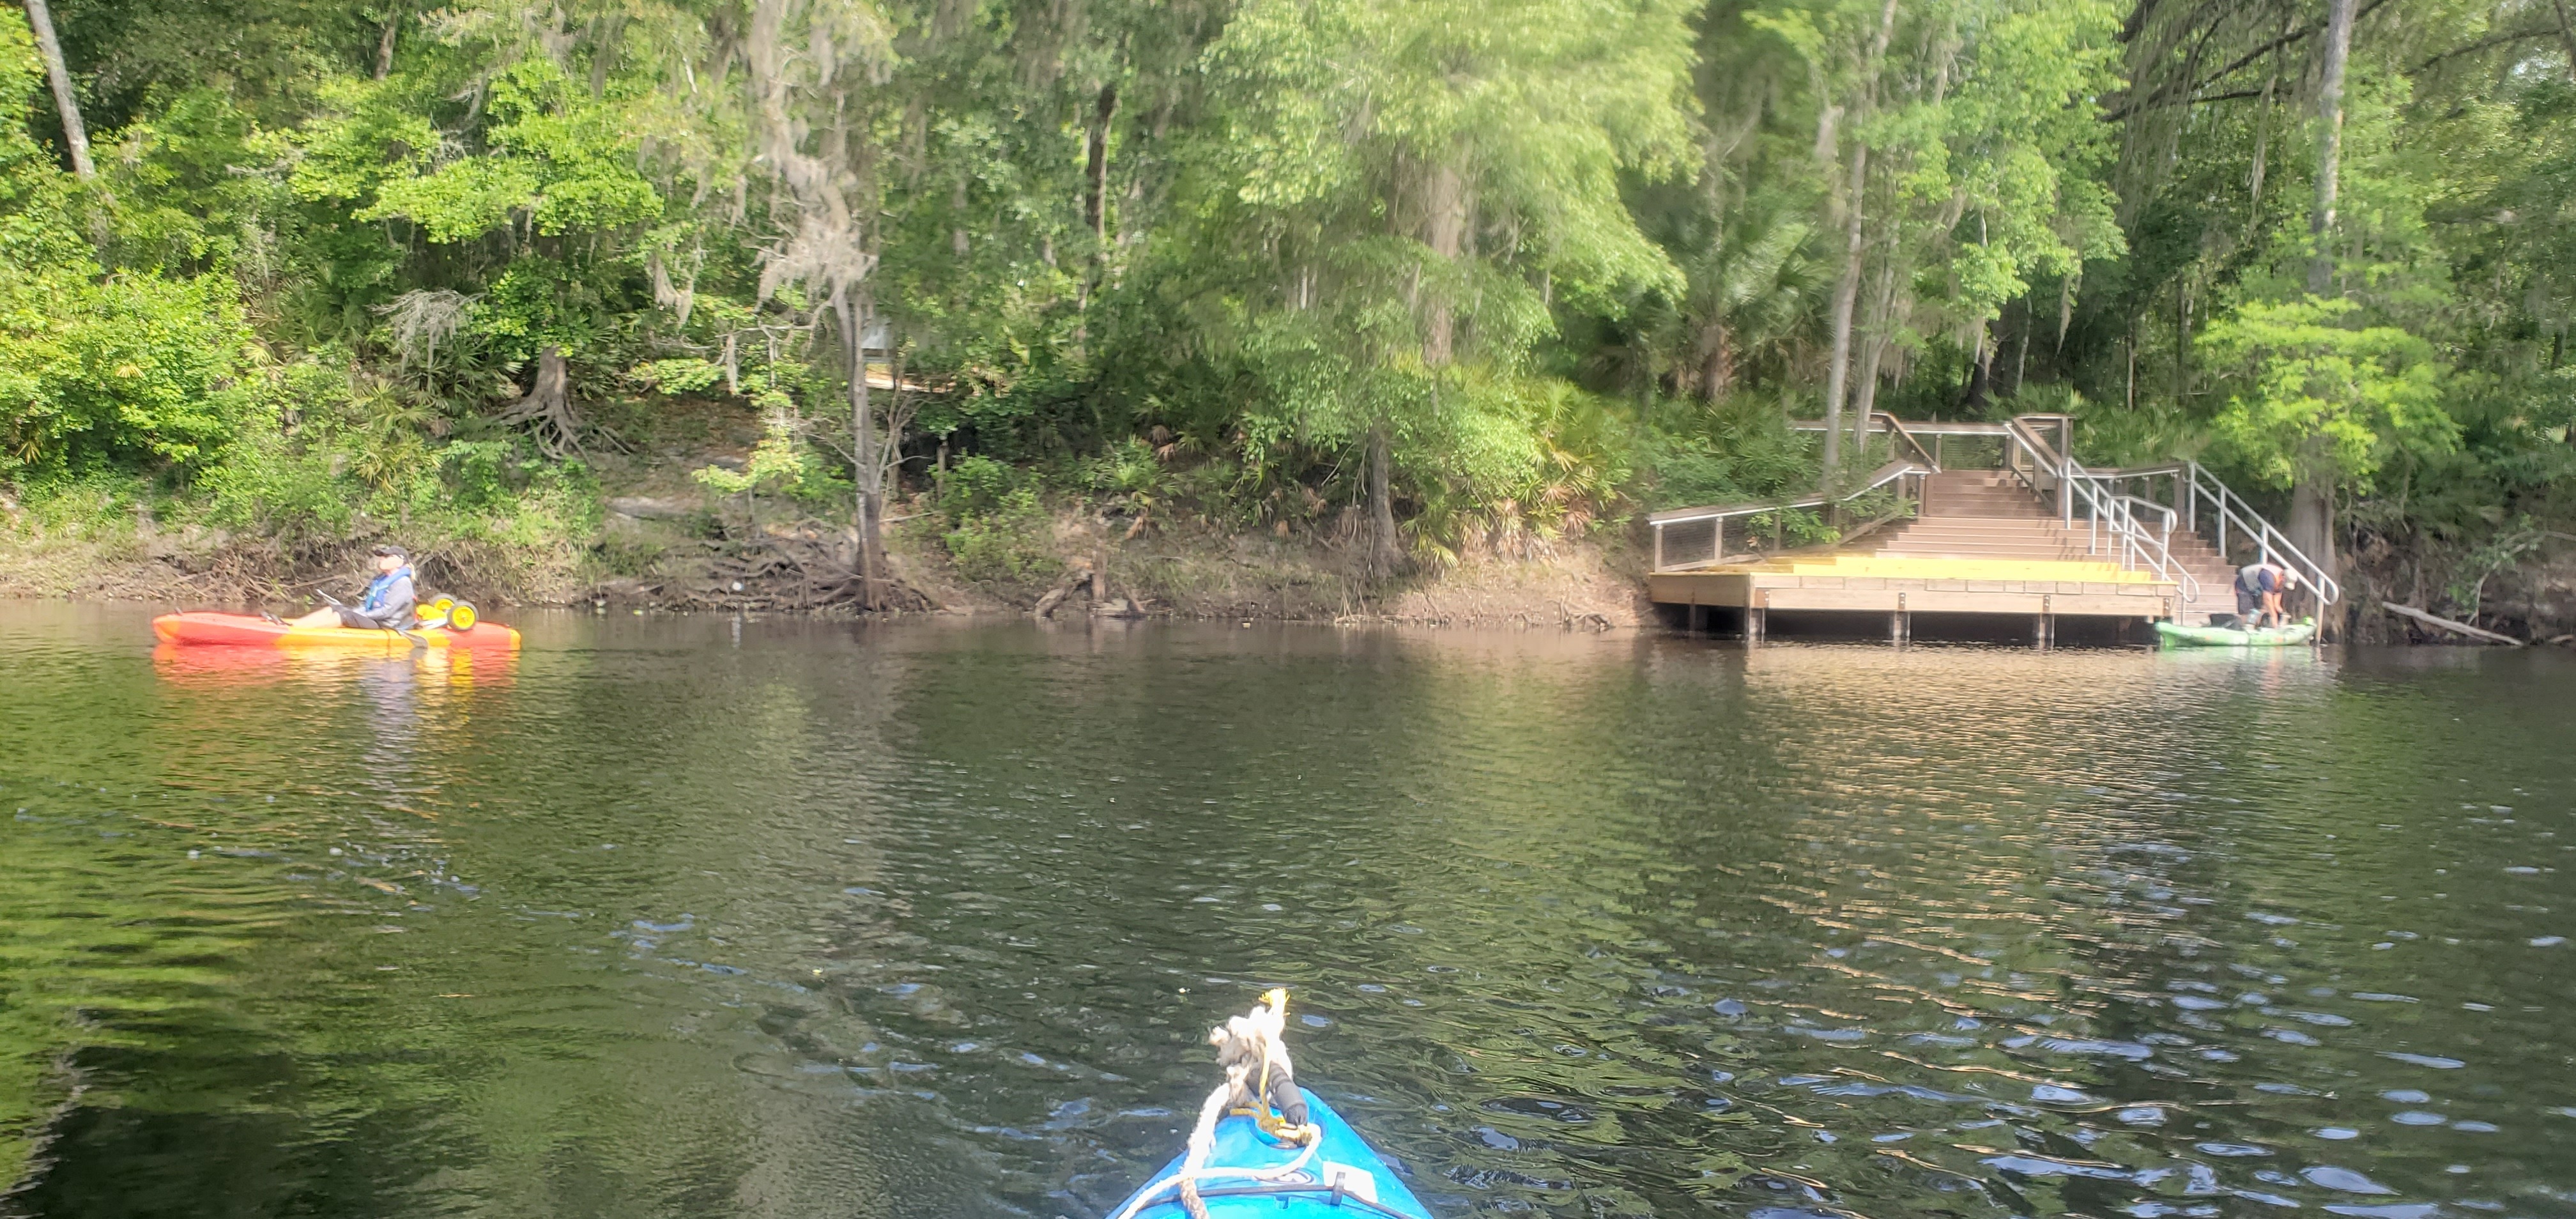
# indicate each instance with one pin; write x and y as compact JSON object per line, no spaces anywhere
{"x":998,"y":528}
{"x":1736,"y":450}
{"x":1789,"y":528}
{"x":2311,"y":396}
{"x":1559,"y":260}
{"x":782,"y":463}
{"x":557,"y":155}
{"x":126,"y":371}
{"x":98,"y":371}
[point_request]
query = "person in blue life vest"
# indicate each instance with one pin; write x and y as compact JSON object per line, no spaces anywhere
{"x":387,"y":605}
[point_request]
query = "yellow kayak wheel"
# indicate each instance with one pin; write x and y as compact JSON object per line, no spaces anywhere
{"x":460,"y":615}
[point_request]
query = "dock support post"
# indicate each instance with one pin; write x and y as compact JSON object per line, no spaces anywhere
{"x":1754,"y":624}
{"x":1900,"y":624}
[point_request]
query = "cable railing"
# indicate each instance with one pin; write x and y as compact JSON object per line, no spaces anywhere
{"x":1907,"y":476}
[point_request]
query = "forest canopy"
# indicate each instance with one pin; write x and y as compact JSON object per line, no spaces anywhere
{"x":1427,"y":273}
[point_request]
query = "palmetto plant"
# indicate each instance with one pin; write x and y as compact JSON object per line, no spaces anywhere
{"x":1752,"y":295}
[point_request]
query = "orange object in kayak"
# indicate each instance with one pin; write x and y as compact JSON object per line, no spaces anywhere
{"x":243,"y":630}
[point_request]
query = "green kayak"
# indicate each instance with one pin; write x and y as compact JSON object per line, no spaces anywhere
{"x":2233,"y":637}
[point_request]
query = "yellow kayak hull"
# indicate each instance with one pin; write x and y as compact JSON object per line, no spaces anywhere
{"x":243,"y":630}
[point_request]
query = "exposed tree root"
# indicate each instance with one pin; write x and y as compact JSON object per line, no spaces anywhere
{"x":806,"y":571}
{"x":547,"y":412}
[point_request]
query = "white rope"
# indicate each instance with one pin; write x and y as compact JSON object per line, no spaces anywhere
{"x":1263,"y":1027}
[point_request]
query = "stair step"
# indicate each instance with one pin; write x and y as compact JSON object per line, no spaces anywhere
{"x":2044,"y":552}
{"x":1966,"y":521}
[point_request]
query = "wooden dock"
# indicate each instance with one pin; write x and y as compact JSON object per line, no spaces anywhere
{"x":1742,"y":601}
{"x":2013,"y":549}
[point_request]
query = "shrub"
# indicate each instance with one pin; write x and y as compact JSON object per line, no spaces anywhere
{"x":998,"y":529}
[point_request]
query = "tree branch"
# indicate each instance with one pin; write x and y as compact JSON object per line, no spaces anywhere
{"x":2234,"y":66}
{"x":2486,"y":43}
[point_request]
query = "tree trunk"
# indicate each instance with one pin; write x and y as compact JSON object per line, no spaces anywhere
{"x":1095,"y":170}
{"x":1095,"y":213}
{"x":1444,"y":229}
{"x":867,"y":476}
{"x":2311,"y":495}
{"x":2321,"y":221}
{"x":41,"y":19}
{"x":547,"y":410}
{"x":603,"y":51}
{"x":2311,"y":527}
{"x":1855,"y":237}
{"x":2566,"y":32}
{"x":1717,"y":350}
{"x":1981,"y":374}
{"x":1385,"y":551}
{"x":2021,"y":350}
{"x":1846,"y":298}
{"x":385,"y":44}
{"x":2262,"y":151}
{"x":1875,"y":337}
{"x":2182,"y":344}
{"x":1444,"y":202}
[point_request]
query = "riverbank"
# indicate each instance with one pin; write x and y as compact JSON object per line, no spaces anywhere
{"x":649,"y":535}
{"x":645,"y":534}
{"x":645,"y":529}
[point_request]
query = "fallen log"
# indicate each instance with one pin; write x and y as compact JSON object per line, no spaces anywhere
{"x":2412,"y":614}
{"x":1082,"y":575}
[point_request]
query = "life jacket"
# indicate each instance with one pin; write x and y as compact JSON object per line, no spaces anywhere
{"x":375,"y":598}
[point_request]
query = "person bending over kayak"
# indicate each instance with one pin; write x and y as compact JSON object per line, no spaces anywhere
{"x":2259,"y":586}
{"x":2258,"y":593}
{"x":2273,"y":614}
{"x":387,"y":605}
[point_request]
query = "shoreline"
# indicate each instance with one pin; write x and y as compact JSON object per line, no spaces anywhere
{"x":655,"y":553}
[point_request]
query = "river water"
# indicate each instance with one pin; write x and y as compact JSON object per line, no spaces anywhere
{"x":697,"y":917}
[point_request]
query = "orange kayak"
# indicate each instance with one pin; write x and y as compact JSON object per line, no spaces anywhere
{"x":245,"y":630}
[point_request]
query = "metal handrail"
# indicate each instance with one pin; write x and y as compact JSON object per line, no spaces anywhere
{"x":2193,"y":483}
{"x":2139,"y":501}
{"x":2106,"y":511}
{"x":2269,"y":543}
{"x":1904,"y":431}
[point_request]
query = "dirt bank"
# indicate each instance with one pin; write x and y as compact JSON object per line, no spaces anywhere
{"x":662,"y":541}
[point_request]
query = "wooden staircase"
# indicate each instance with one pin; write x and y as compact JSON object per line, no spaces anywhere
{"x":2216,"y":576}
{"x":1991,"y":516}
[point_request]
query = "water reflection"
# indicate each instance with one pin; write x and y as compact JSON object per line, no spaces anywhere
{"x":926,"y":920}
